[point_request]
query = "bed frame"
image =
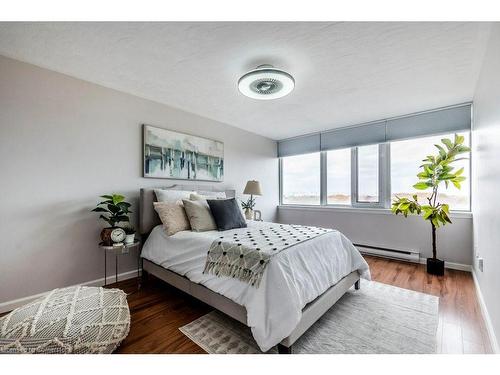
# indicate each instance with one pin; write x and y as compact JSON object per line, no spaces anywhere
{"x":148,"y":219}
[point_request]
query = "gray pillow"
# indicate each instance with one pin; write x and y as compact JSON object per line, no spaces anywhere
{"x":199,"y":215}
{"x":226,"y":213}
{"x":197,"y":197}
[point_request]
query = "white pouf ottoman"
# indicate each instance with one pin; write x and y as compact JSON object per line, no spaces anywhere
{"x":71,"y":320}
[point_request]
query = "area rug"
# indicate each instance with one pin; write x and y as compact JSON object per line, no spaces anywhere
{"x":376,"y":319}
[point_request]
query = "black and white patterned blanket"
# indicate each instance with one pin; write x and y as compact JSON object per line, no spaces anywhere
{"x":244,"y":254}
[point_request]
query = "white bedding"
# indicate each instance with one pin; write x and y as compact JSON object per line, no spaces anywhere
{"x":292,"y":279}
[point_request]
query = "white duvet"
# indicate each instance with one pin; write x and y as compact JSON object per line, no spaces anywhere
{"x":293,"y":277}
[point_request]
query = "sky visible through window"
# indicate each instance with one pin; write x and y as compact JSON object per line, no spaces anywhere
{"x":301,"y":174}
{"x":301,"y":179}
{"x":338,"y":164}
{"x":368,"y":157}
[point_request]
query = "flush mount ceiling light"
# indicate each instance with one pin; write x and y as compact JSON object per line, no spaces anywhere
{"x":265,"y":83}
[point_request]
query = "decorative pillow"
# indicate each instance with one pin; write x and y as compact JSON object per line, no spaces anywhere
{"x":173,"y":216}
{"x":197,"y":197}
{"x":164,"y":195}
{"x":226,"y":213}
{"x":212,"y":194}
{"x":199,"y":215}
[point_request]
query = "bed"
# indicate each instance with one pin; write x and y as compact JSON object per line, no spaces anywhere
{"x":297,"y":288}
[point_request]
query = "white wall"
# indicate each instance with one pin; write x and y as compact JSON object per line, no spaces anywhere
{"x":486,"y":178}
{"x":64,"y":142}
{"x":381,"y":228}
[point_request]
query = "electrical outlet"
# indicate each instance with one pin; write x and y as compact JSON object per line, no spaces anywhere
{"x":480,"y":264}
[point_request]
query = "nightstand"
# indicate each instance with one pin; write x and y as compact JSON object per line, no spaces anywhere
{"x":122,"y":249}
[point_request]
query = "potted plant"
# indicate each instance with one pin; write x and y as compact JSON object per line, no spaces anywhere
{"x":114,"y":210}
{"x":130,"y":234}
{"x":436,"y":170}
{"x":248,"y":207}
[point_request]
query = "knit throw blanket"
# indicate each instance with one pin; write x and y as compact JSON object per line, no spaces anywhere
{"x":245,"y":254}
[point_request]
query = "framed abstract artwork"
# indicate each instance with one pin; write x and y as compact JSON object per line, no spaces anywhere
{"x":174,"y":155}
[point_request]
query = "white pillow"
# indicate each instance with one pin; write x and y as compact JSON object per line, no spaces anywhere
{"x":199,"y":215}
{"x":164,"y":195}
{"x":212,"y":194}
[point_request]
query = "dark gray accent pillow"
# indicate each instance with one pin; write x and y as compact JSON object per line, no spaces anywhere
{"x":226,"y":213}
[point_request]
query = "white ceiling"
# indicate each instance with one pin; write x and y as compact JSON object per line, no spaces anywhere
{"x":345,"y":73}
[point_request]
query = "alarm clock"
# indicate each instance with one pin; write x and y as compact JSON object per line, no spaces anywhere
{"x":118,"y":235}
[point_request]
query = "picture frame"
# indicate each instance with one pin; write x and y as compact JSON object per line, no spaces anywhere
{"x":169,"y":154}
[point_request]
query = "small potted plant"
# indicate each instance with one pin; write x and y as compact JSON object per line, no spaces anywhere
{"x":130,"y":234}
{"x":248,"y":207}
{"x":114,"y":210}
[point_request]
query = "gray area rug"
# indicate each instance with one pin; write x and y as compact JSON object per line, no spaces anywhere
{"x":377,"y":319}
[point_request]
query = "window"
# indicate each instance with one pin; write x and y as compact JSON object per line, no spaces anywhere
{"x":301,"y":179}
{"x":338,"y":176}
{"x":406,"y":158}
{"x":368,"y":174}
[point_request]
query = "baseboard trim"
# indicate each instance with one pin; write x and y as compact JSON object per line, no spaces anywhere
{"x":11,"y":305}
{"x":452,"y":265}
{"x":486,"y":316}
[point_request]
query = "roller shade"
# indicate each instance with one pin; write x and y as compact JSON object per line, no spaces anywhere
{"x":353,"y":136}
{"x":437,"y":122}
{"x":446,"y":120}
{"x":299,"y":145}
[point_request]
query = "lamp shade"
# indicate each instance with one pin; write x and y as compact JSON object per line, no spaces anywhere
{"x":253,"y":188}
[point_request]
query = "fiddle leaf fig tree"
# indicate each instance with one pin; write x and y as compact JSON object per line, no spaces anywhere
{"x":436,"y":171}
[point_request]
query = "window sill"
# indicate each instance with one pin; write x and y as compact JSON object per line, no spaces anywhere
{"x":357,"y":210}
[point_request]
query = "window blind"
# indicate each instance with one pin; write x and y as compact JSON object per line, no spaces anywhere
{"x":353,"y":136}
{"x":445,"y":120}
{"x":300,"y":145}
{"x":429,"y":123}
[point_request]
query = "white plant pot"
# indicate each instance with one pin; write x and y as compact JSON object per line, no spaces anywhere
{"x":129,"y":239}
{"x":249,"y":214}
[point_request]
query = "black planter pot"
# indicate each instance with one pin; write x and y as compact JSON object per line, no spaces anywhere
{"x":435,"y":266}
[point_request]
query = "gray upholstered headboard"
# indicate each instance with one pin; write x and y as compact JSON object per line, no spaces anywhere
{"x":148,"y":218}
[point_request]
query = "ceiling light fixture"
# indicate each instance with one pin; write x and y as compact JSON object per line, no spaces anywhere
{"x":265,"y":83}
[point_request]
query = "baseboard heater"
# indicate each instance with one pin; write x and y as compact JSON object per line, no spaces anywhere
{"x":409,"y":255}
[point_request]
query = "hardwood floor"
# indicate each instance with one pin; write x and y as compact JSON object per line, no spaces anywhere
{"x":158,"y":310}
{"x":461,"y":326}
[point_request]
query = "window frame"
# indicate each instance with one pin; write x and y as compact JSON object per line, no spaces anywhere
{"x":384,"y":170}
{"x":321,"y":179}
{"x":384,"y":188}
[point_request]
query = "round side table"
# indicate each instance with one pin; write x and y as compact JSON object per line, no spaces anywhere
{"x":120,"y":249}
